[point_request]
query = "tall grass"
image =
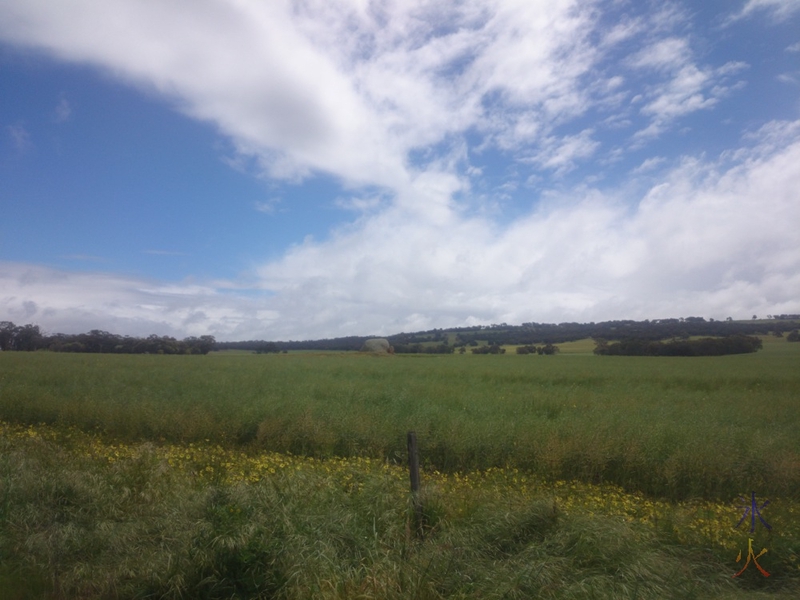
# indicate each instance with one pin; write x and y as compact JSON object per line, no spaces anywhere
{"x":81,"y":518}
{"x":711,"y":427}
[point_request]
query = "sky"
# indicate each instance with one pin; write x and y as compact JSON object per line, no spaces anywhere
{"x":308,"y":169}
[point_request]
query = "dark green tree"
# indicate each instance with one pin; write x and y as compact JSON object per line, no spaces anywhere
{"x":28,"y":338}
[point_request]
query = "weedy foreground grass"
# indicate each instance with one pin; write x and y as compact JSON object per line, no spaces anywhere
{"x":85,"y":516}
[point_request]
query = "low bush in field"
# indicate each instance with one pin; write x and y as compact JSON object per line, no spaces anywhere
{"x":718,"y":346}
{"x":490,"y":349}
{"x":549,"y":349}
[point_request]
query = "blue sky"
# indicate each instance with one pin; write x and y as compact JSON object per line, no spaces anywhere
{"x":292,"y":170}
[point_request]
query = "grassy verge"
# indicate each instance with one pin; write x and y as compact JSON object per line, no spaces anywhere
{"x":84,"y":516}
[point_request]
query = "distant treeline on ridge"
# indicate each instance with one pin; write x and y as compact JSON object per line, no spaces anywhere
{"x":435,"y":341}
{"x":444,"y":341}
{"x":30,"y":338}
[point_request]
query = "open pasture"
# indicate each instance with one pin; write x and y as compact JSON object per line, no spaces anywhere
{"x":281,"y":476}
{"x":674,"y":428}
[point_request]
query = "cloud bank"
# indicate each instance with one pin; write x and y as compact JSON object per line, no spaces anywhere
{"x":718,"y":238}
{"x":404,"y":97}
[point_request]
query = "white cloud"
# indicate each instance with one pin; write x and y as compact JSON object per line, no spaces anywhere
{"x":356,"y":89}
{"x":624,"y":31}
{"x":20,"y":138}
{"x":676,"y":84}
{"x":688,"y":89}
{"x":360,"y":203}
{"x":671,"y":54}
{"x":383,"y":95}
{"x":704,"y":239}
{"x":769,"y":139}
{"x":777,"y":9}
{"x":346,"y":88}
{"x":73,"y":302}
{"x":560,"y":154}
{"x":63,"y":110}
{"x":649,"y":164}
{"x":269,"y":206}
{"x":716,"y":238}
{"x":244,"y":66}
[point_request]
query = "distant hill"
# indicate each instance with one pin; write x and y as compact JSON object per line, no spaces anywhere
{"x":537,"y":333}
{"x":30,"y":338}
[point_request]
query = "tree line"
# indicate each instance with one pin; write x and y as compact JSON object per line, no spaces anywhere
{"x":30,"y":338}
{"x":489,"y":349}
{"x":732,"y":344}
{"x":535,"y":334}
{"x":658,"y":329}
{"x":442,"y":348}
{"x":529,"y":334}
{"x":548,"y":349}
{"x":353,"y":343}
{"x":444,"y":341}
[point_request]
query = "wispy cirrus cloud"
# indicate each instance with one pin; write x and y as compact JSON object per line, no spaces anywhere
{"x":361,"y":87}
{"x":776,"y":9}
{"x":649,"y":164}
{"x":560,"y":154}
{"x":20,"y":137}
{"x":63,"y":110}
{"x":164,"y":252}
{"x":269,"y":206}
{"x":378,"y":93}
{"x":685,"y":87}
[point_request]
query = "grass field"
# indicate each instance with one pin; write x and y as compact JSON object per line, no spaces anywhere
{"x":568,"y":476}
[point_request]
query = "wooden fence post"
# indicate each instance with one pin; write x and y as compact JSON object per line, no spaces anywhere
{"x":413,"y":469}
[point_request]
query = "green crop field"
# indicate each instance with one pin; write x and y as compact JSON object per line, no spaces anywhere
{"x":240,"y":475}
